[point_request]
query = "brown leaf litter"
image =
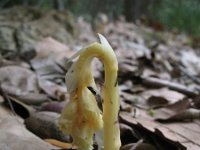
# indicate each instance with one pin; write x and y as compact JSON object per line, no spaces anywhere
{"x":158,"y":81}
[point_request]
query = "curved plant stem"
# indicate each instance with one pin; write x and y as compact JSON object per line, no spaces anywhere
{"x":78,"y":78}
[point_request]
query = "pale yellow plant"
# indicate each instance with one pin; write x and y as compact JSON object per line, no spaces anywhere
{"x":81,"y":117}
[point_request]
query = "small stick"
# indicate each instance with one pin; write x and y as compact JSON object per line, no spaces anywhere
{"x":7,"y":99}
{"x":155,"y":82}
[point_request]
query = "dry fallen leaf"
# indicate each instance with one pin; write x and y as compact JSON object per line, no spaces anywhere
{"x":127,"y":134}
{"x":185,"y":115}
{"x":17,"y":80}
{"x":52,"y":89}
{"x":18,"y":137}
{"x":151,"y":130}
{"x":48,"y":46}
{"x":172,"y":109}
{"x":161,"y":97}
{"x":45,"y":125}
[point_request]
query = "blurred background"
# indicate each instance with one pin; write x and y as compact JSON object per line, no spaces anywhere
{"x":179,"y":15}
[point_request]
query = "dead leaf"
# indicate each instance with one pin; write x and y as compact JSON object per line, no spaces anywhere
{"x":21,"y":80}
{"x":127,"y":134}
{"x":50,"y":52}
{"x":45,"y":125}
{"x":161,"y":97}
{"x":47,"y":66}
{"x":185,"y":115}
{"x":18,"y":107}
{"x":51,"y":68}
{"x":48,"y":46}
{"x":52,"y":89}
{"x":32,"y":98}
{"x":196,"y":102}
{"x":133,"y":99}
{"x":146,"y":128}
{"x":172,"y":109}
{"x":18,"y":138}
{"x":5,"y":62}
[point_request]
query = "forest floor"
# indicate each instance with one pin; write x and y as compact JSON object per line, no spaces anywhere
{"x":158,"y":80}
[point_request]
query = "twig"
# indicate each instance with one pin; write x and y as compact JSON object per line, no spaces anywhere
{"x":4,"y":94}
{"x":155,"y":82}
{"x":137,"y":144}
